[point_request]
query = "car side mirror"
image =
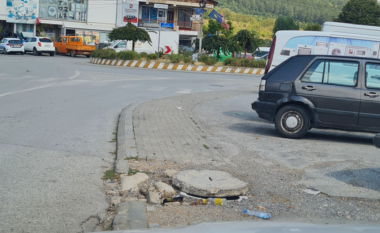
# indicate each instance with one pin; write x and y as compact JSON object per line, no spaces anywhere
{"x":376,"y":140}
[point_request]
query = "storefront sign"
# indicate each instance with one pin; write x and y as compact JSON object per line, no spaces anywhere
{"x":21,"y":11}
{"x":130,"y":13}
{"x":166,"y":25}
{"x":161,"y":6}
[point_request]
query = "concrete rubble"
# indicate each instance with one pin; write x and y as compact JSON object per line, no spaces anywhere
{"x":165,"y":189}
{"x":207,"y":183}
{"x":130,"y":183}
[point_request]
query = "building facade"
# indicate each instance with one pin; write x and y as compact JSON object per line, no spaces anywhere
{"x":94,"y":19}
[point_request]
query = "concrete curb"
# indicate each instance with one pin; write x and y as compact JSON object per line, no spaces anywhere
{"x":176,"y":66}
{"x":129,"y":215}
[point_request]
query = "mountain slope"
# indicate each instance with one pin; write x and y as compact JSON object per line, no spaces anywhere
{"x":316,"y":11}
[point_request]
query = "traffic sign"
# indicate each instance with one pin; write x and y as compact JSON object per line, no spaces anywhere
{"x":161,"y":6}
{"x":168,"y":49}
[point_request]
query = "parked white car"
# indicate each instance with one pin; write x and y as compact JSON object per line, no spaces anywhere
{"x":11,"y":45}
{"x":39,"y":45}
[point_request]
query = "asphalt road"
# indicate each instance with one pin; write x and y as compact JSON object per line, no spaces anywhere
{"x":57,"y":116}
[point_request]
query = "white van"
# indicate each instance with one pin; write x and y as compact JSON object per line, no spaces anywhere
{"x":290,"y":43}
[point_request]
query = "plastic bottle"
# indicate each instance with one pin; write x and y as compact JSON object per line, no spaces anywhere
{"x":257,"y":214}
{"x":215,"y":201}
{"x":174,"y":199}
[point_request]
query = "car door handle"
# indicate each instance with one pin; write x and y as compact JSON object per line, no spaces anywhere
{"x":371,"y":94}
{"x":308,"y":88}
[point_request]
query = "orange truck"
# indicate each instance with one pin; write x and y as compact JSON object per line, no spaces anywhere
{"x":73,"y":45}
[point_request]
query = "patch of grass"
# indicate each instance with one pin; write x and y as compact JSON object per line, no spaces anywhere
{"x":113,"y":152}
{"x":206,"y":147}
{"x":110,"y":175}
{"x":132,"y":172}
{"x":131,"y":158}
{"x":216,"y":148}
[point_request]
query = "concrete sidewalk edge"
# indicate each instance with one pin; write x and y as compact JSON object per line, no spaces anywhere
{"x":176,"y":66}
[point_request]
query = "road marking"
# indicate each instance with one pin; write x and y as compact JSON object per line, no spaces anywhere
{"x":183,"y":91}
{"x":30,"y":89}
{"x":76,"y":75}
{"x":179,"y":67}
{"x":199,"y":68}
{"x":237,"y":70}
{"x":156,"y":88}
{"x":209,"y":68}
{"x":219,"y":69}
{"x":161,"y":65}
{"x":170,"y":66}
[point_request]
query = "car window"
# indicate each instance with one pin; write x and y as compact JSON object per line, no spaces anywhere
{"x":64,"y":40}
{"x":14,"y":42}
{"x":74,"y":39}
{"x":34,"y":40}
{"x":344,"y":73}
{"x":60,"y":39}
{"x":315,"y":72}
{"x":122,"y":45}
{"x":45,"y":40}
{"x":372,"y":75}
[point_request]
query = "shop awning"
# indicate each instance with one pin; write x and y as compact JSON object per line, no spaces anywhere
{"x":51,"y":22}
{"x":89,"y":26}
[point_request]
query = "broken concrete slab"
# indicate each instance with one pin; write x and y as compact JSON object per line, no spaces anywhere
{"x":130,"y":183}
{"x":208,"y":183}
{"x":165,"y":189}
{"x":130,"y":215}
{"x":90,"y":224}
{"x":170,"y":173}
{"x":153,"y":198}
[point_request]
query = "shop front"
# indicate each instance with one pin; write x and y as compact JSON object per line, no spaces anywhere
{"x":48,"y":30}
{"x":91,"y":33}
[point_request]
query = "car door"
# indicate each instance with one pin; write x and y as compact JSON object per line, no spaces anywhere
{"x":332,"y":86}
{"x":2,"y":45}
{"x":58,"y":45}
{"x":28,"y":44}
{"x":63,"y":45}
{"x":370,"y":96}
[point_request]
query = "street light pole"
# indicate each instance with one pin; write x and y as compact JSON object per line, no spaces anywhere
{"x":201,"y":36}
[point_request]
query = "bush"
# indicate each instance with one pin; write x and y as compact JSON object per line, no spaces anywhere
{"x":243,"y":62}
{"x":127,"y":55}
{"x":107,"y":54}
{"x":143,"y":54}
{"x":207,"y":60}
{"x":96,"y":53}
{"x":175,"y":58}
{"x":152,"y":56}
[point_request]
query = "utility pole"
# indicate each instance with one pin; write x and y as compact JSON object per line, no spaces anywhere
{"x":117,"y":9}
{"x":200,"y":37}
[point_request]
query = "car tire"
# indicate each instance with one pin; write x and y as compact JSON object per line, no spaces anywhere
{"x":35,"y":53}
{"x":52,"y":54}
{"x":56,"y":51}
{"x":72,"y":54}
{"x":22,"y":53}
{"x":5,"y":51}
{"x":292,"y":121}
{"x":88,"y":56}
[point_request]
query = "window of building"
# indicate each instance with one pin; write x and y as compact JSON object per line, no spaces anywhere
{"x":149,"y":14}
{"x":184,"y":17}
{"x":63,"y":9}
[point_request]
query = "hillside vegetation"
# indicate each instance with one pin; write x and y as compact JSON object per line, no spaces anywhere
{"x":310,"y":11}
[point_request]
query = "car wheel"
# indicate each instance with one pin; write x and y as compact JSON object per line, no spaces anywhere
{"x":52,"y":54}
{"x":22,"y":53}
{"x":72,"y":53}
{"x":292,"y":121}
{"x":56,"y":51}
{"x":5,"y":51}
{"x":87,"y":55}
{"x":35,"y":53}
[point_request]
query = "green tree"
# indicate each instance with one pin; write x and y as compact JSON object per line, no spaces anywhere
{"x":247,"y":40}
{"x":313,"y":27}
{"x":366,"y":12}
{"x":132,"y":33}
{"x":219,"y":43}
{"x":285,"y":23}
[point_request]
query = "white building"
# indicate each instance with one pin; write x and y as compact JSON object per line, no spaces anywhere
{"x":94,"y":19}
